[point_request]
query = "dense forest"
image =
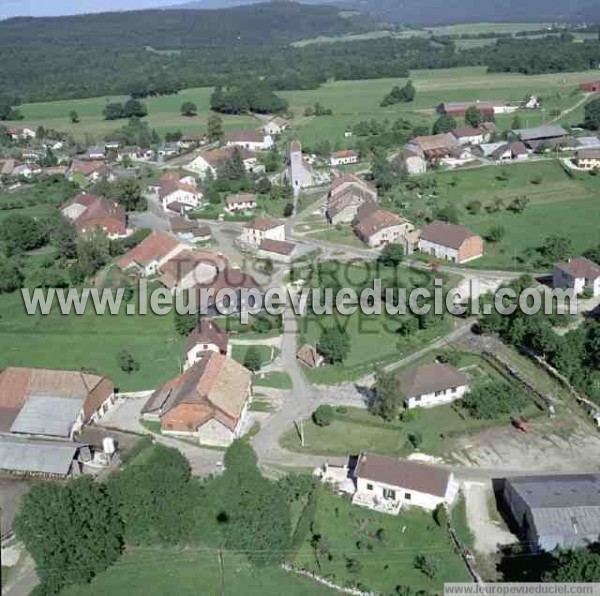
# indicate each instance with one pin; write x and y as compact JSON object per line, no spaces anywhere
{"x":155,"y":52}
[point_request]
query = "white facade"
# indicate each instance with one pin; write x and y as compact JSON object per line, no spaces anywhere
{"x":275,"y":127}
{"x":246,"y":205}
{"x":390,"y":235}
{"x":438,"y":398}
{"x":266,"y":143}
{"x":196,"y":353}
{"x":444,"y":253}
{"x":415,"y":164}
{"x":475,"y":139}
{"x":379,"y":495}
{"x":342,"y":160}
{"x":187,"y":197}
{"x":254,"y":236}
{"x":561,"y":279}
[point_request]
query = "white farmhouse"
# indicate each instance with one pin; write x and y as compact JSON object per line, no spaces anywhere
{"x":387,"y":484}
{"x":240,"y":202}
{"x":343,"y":158}
{"x":253,"y":140}
{"x":578,"y":274}
{"x":432,"y":385}
{"x":275,"y":126}
{"x":262,"y":228}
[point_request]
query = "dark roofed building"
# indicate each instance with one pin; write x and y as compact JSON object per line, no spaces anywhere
{"x":205,"y":337}
{"x":388,"y":484}
{"x":432,"y":385}
{"x":579,"y":274}
{"x":555,"y":511}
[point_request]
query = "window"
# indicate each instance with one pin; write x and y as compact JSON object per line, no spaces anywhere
{"x":418,"y":398}
{"x":407,"y":496}
{"x":438,"y":393}
{"x":369,"y":486}
{"x":389,"y":494}
{"x":454,"y":389}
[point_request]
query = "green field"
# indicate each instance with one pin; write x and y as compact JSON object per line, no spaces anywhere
{"x":266,"y":353}
{"x":190,"y":572}
{"x":558,"y":205}
{"x":275,"y":380}
{"x":90,"y":342}
{"x":351,"y":102}
{"x":385,"y":547}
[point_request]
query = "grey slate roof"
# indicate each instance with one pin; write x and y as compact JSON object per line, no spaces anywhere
{"x":29,"y":456}
{"x":548,"y":131}
{"x":48,"y":415}
{"x":565,"y":505}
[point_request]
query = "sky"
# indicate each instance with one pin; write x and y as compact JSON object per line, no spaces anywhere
{"x":39,"y":8}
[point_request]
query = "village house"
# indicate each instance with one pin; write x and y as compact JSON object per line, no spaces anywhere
{"x":544,"y":138}
{"x":240,"y":202}
{"x":298,"y":172}
{"x":262,"y":228}
{"x":377,"y":227}
{"x":205,"y":337}
{"x":209,"y":161}
{"x":189,"y":268}
{"x":579,"y":274}
{"x":309,"y":356}
{"x":588,"y":158}
{"x":532,"y":103}
{"x":387,"y":484}
{"x":135,"y":154}
{"x":193,"y":140}
{"x":342,"y":158}
{"x":590,"y":87}
{"x":276,"y":250}
{"x":458,"y":109}
{"x":207,"y":403}
{"x":211,"y":304}
{"x":467,"y":135}
{"x":497,"y":152}
{"x":253,"y":140}
{"x":51,"y":403}
{"x":96,"y":152}
{"x":347,"y":194}
{"x":169,"y":150}
{"x":20,"y":134}
{"x":179,"y":190}
{"x":91,"y":171}
{"x":450,"y":242}
{"x":27,"y":170}
{"x":151,"y":253}
{"x":435,"y":147}
{"x":431,"y":385}
{"x":275,"y":126}
{"x":91,"y":212}
{"x":189,"y":229}
{"x":411,"y":159}
{"x":555,"y":511}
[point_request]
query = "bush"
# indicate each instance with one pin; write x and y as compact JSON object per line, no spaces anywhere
{"x":427,"y":564}
{"x":323,"y":415}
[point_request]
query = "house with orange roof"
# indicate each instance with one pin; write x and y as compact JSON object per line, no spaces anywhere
{"x":377,"y":227}
{"x":208,"y":402}
{"x":262,"y":228}
{"x":151,"y":253}
{"x":92,"y":212}
{"x":343,"y":158}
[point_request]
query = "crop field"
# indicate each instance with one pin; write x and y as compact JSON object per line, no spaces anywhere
{"x":351,"y":102}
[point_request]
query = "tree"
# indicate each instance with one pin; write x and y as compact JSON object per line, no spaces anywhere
{"x":252,"y":359}
{"x":388,"y":398}
{"x":189,"y":109}
{"x":268,"y":266}
{"x":323,"y":415}
{"x":447,"y":212}
{"x":516,"y":123}
{"x":427,"y":564}
{"x":288,"y":210}
{"x":11,"y":277}
{"x":154,"y":497}
{"x":334,"y":345}
{"x":592,"y":114}
{"x":263,"y":186}
{"x":134,"y":108}
{"x":93,"y":251}
{"x":556,"y":248}
{"x":440,"y":515}
{"x":74,"y":116}
{"x":129,"y":193}
{"x":62,"y":234}
{"x":392,"y":255}
{"x":578,"y":565}
{"x":21,"y":233}
{"x":248,"y":506}
{"x":405,"y":94}
{"x":185,"y":323}
{"x":495,"y":234}
{"x":72,"y":531}
{"x":444,"y":124}
{"x":215,"y":128}
{"x":473,"y":117}
{"x":127,"y":363}
{"x":489,"y":401}
{"x":113,"y":111}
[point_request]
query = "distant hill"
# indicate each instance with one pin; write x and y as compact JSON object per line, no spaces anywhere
{"x":257,"y":24}
{"x":443,"y":12}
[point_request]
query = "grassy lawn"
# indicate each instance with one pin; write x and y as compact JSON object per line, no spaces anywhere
{"x":90,"y":342}
{"x":355,"y":429}
{"x":341,"y":235}
{"x":164,"y":114}
{"x":373,"y":338}
{"x":558,"y":205}
{"x":189,"y":572}
{"x":267,"y":353}
{"x":383,"y":563}
{"x":276,"y":380}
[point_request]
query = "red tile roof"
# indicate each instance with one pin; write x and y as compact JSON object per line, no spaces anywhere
{"x":580,"y":267}
{"x":277,"y":246}
{"x":446,"y":234}
{"x":263,"y":223}
{"x":245,"y":136}
{"x":207,"y":332}
{"x":152,"y":248}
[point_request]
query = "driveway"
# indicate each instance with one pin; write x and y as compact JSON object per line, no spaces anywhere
{"x":489,"y":533}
